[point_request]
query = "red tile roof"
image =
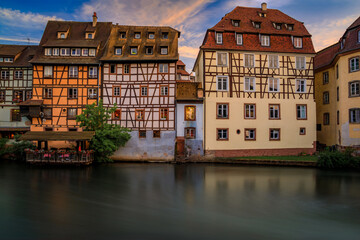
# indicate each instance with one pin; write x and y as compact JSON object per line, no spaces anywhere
{"x":280,"y":40}
{"x":180,"y":63}
{"x":182,"y":72}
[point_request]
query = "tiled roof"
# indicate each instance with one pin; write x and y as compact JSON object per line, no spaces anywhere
{"x":355,"y":24}
{"x":22,"y":54}
{"x":180,"y":63}
{"x":183,"y":72}
{"x":142,"y":43}
{"x":280,"y":40}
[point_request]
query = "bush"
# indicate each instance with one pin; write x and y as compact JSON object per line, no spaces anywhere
{"x":4,"y":149}
{"x":17,"y":149}
{"x":338,"y":160}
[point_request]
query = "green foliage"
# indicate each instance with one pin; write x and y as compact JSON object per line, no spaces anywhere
{"x":108,"y":137}
{"x":338,"y":160}
{"x":14,"y":150}
{"x":3,"y":147}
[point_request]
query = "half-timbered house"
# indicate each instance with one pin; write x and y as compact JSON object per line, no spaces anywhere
{"x":139,"y":75}
{"x":67,"y":71}
{"x":181,"y":73}
{"x":256,"y":67}
{"x":15,"y":87}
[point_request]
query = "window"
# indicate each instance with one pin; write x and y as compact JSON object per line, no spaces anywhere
{"x":1,"y":59}
{"x":273,"y":61}
{"x":222,"y":83}
{"x":55,"y":52}
{"x":163,"y":50}
{"x":190,"y":133}
{"x":142,"y":134}
{"x":354,"y":115}
{"x":300,"y":85}
{"x":18,"y":74}
{"x":326,"y":98}
{"x":250,"y":134}
{"x":117,"y":114}
{"x":301,"y":112}
{"x":249,"y":60}
{"x":239,"y":39}
{"x":5,"y":74}
{"x":297,"y":42}
{"x":64,"y":51}
{"x":354,"y":89}
{"x":257,"y":25}
{"x":71,"y":113}
{"x":75,"y":52}
{"x":222,"y":134}
{"x":358,"y":36}
{"x":47,"y":51}
{"x":92,"y":52}
{"x":149,"y":50}
{"x":151,"y":35}
{"x":48,"y":93}
{"x":318,"y":127}
{"x":190,"y":113}
{"x":164,"y":113}
{"x":165,"y":35}
{"x":48,"y":71}
{"x":235,"y":23}
{"x":325,"y":77}
{"x":133,"y":50}
{"x":15,"y":115}
{"x":222,"y":59}
{"x":277,"y":26}
{"x":219,"y":38}
{"x":250,"y":111}
{"x":18,"y":96}
{"x":265,"y":40}
{"x":337,"y":71}
{"x":274,"y":111}
{"x":8,"y":59}
{"x":73,"y":71}
{"x":72,"y":93}
{"x":274,"y":134}
{"x":140,"y":114}
{"x":92,"y":72}
{"x":302,"y":131}
{"x":274,"y":85}
{"x":2,"y":95}
{"x":337,"y":117}
{"x":137,"y":35}
{"x":249,"y":84}
{"x":118,"y":51}
{"x":47,"y":113}
{"x":163,"y":68}
{"x":92,"y":93}
{"x":112,"y":68}
{"x":28,"y":94}
{"x":354,"y":64}
{"x":164,"y":90}
{"x":143,"y":91}
{"x":337,"y":94}
{"x":126,"y":68}
{"x":116,"y":91}
{"x":326,"y":118}
{"x":290,"y":27}
{"x":85,"y":52}
{"x":61,"y":35}
{"x":156,"y":134}
{"x":222,"y":111}
{"x":300,"y":62}
{"x":122,"y":35}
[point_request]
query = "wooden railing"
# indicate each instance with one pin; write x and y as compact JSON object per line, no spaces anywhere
{"x":59,"y":157}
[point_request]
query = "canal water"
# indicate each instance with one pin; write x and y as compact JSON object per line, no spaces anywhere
{"x":166,"y":201}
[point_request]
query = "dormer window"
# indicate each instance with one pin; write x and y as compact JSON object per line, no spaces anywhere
{"x":47,"y":51}
{"x":8,"y":59}
{"x":55,"y":52}
{"x":62,"y":35}
{"x":75,"y":52}
{"x":149,"y":50}
{"x":265,"y":40}
{"x":64,"y":52}
{"x":122,"y":35}
{"x":219,"y":38}
{"x":163,"y":50}
{"x":257,"y":25}
{"x":297,"y":42}
{"x":239,"y":39}
{"x":290,"y":27}
{"x":262,"y":14}
{"x":92,"y":52}
{"x":277,"y":26}
{"x":118,"y":51}
{"x":165,"y":35}
{"x":151,"y":35}
{"x":137,"y":35}
{"x":85,"y":52}
{"x":133,"y":50}
{"x":236,"y":23}
{"x":1,"y":59}
{"x":90,"y":35}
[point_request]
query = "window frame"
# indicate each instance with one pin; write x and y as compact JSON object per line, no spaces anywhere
{"x":74,"y":93}
{"x":277,"y":61}
{"x":326,"y":97}
{"x":16,"y":74}
{"x":306,"y":114}
{"x":278,"y":111}
{"x":91,"y":95}
{"x":48,"y":75}
{"x":135,"y":52}
{"x":219,"y":38}
{"x":302,"y":133}
{"x":302,"y":86}
{"x":118,"y":110}
{"x":357,"y":89}
{"x":253,"y":60}
{"x":17,"y":117}
{"x":218,"y":57}
{"x":222,"y":79}
{"x":164,"y":93}
{"x":92,"y":75}
{"x":191,"y":129}
{"x":355,"y":59}
{"x":126,"y":68}
{"x":116,"y":51}
{"x":298,"y":42}
{"x":222,"y":110}
{"x":325,"y":77}
{"x":251,"y":80}
{"x":185,"y":111}
{"x":5,"y":74}
{"x":356,"y":115}
{"x":162,"y":68}
{"x":254,"y":133}
{"x":237,"y":35}
{"x":73,"y":72}
{"x":114,"y":91}
{"x":279,"y":134}
{"x":265,"y":40}
{"x":49,"y":93}
{"x":164,"y":52}
{"x":300,"y":62}
{"x":222,"y":139}
{"x":326,"y":118}
{"x":141,"y":90}
{"x":250,"y":116}
{"x":164,"y":112}
{"x":277,"y":85}
{"x":71,"y":117}
{"x":141,"y":113}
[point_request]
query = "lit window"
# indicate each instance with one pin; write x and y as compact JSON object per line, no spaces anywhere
{"x":301,"y":112}
{"x":164,"y":112}
{"x":48,"y":71}
{"x":354,"y":89}
{"x":73,"y":71}
{"x":133,"y":50}
{"x":190,"y":113}
{"x":300,"y":85}
{"x":164,"y":90}
{"x":249,"y":84}
{"x":265,"y":40}
{"x":116,"y":91}
{"x":273,"y":61}
{"x":72,"y":93}
{"x":354,"y":114}
{"x":71,"y":113}
{"x":92,"y":72}
{"x":274,"y":85}
{"x":117,"y":114}
{"x":15,"y":115}
{"x":18,"y":96}
{"x":139,"y":114}
{"x":219,"y":38}
{"x":222,"y":134}
{"x":300,"y":62}
{"x":297,"y":42}
{"x":250,"y":134}
{"x":163,"y":68}
{"x":190,"y":133}
{"x":92,"y":93}
{"x":250,"y":111}
{"x":164,"y":50}
{"x":274,"y":111}
{"x":239,"y":39}
{"x":354,"y":64}
{"x":222,"y":83}
{"x":47,"y":51}
{"x":249,"y":60}
{"x":275,"y":134}
{"x":222,"y":110}
{"x":222,"y":59}
{"x":118,"y":51}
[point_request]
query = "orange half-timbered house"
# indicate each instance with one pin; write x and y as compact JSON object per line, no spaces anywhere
{"x":139,"y":75}
{"x":67,"y":72}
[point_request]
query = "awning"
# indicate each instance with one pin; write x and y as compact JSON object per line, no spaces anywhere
{"x":31,"y":103}
{"x":14,"y":129}
{"x":58,"y":136}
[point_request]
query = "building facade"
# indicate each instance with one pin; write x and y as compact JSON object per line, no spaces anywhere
{"x":337,"y":84}
{"x":15,"y":87}
{"x":181,"y":73}
{"x":139,"y":76}
{"x":256,"y":68}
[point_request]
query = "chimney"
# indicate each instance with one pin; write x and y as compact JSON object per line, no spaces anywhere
{"x":94,"y":20}
{"x":263,"y":6}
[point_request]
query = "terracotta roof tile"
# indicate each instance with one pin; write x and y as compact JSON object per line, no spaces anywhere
{"x":22,"y":54}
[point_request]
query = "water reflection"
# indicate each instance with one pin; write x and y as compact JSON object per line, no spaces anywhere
{"x":163,"y":201}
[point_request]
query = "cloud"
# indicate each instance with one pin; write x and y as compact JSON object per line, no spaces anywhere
{"x":18,"y":40}
{"x":189,"y":52}
{"x":15,"y":18}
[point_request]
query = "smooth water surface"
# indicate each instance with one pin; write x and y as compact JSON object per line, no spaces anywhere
{"x":166,"y":201}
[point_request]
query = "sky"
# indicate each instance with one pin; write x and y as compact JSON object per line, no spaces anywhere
{"x":23,"y":21}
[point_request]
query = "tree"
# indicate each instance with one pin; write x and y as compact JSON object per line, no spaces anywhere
{"x":108,"y":137}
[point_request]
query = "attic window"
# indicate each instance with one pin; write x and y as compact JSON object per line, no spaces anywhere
{"x":62,"y":35}
{"x":219,"y":38}
{"x":90,"y":35}
{"x":257,"y":25}
{"x":149,"y":50}
{"x":151,"y":35}
{"x":277,"y":26}
{"x":165,"y":35}
{"x":137,"y":35}
{"x":122,"y":35}
{"x":8,"y":59}
{"x":118,"y":51}
{"x":262,"y":14}
{"x":133,"y":50}
{"x":236,"y":23}
{"x":290,"y":27}
{"x":297,"y":42}
{"x":358,"y":36}
{"x":163,"y":50}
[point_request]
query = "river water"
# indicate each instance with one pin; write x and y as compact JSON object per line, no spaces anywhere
{"x":166,"y":201}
